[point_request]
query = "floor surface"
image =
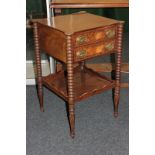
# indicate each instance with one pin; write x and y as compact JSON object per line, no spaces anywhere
{"x":97,"y":131}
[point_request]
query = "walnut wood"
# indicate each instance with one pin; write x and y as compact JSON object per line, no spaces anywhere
{"x":106,"y":67}
{"x":77,"y":22}
{"x":93,"y":50}
{"x":38,"y":65}
{"x":80,"y":82}
{"x":94,"y":83}
{"x":88,"y":3}
{"x":53,"y":42}
{"x":118,"y":68}
{"x":70,"y":84}
{"x":92,"y":36}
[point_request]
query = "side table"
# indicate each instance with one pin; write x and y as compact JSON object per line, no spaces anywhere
{"x":72,"y":39}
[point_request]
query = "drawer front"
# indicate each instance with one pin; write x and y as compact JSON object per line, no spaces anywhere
{"x":102,"y":34}
{"x":89,"y":51}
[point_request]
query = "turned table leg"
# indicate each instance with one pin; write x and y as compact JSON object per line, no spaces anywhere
{"x":70,"y":84}
{"x":38,"y":65}
{"x":118,"y":68}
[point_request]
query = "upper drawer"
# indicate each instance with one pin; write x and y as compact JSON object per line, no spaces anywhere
{"x":91,"y":36}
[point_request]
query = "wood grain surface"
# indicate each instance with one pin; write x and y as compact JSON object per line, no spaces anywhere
{"x":72,"y":23}
{"x":88,"y":3}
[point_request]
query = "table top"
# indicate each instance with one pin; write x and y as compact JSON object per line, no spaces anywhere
{"x":88,"y":3}
{"x":72,"y":23}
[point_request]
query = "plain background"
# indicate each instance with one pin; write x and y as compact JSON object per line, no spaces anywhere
{"x":13,"y":77}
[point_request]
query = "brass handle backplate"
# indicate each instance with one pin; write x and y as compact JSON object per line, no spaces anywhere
{"x":81,"y":53}
{"x":110,"y":33}
{"x":109,"y":46}
{"x":81,"y":39}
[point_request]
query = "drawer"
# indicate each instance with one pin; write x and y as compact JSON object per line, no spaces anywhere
{"x":91,"y":36}
{"x":89,"y":51}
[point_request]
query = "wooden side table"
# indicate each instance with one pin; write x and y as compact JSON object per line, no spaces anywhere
{"x":72,"y":39}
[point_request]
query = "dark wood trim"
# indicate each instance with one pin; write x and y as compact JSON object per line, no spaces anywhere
{"x":70,"y":86}
{"x":88,"y":5}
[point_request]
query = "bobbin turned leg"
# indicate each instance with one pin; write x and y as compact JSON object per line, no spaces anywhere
{"x":70,"y":84}
{"x":38,"y":66}
{"x":118,"y":68}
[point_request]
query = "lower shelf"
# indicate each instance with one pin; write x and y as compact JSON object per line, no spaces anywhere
{"x":86,"y":83}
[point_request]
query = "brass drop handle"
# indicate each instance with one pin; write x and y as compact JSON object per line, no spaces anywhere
{"x":109,"y":46}
{"x":110,"y":33}
{"x":81,"y":53}
{"x":81,"y":39}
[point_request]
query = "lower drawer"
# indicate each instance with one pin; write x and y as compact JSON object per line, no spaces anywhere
{"x":90,"y":51}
